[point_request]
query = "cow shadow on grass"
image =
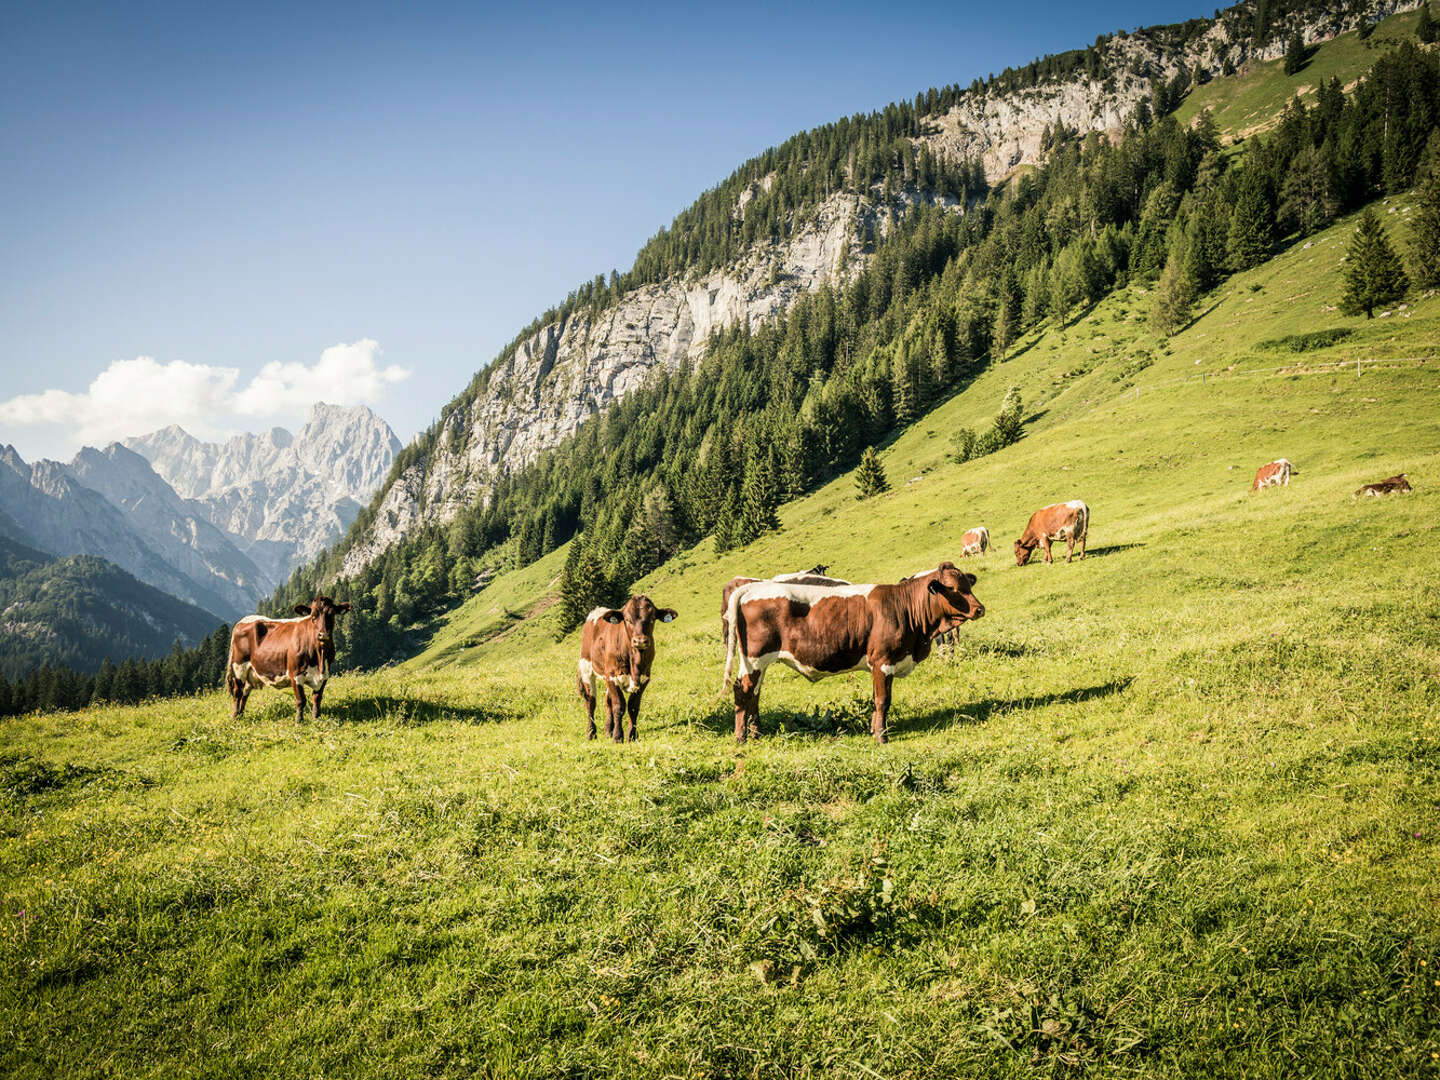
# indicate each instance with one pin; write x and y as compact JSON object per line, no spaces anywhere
{"x":852,"y":717}
{"x":406,"y":711}
{"x":980,"y":713}
{"x":1110,"y":549}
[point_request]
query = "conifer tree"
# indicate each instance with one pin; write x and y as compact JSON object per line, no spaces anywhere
{"x":1252,"y":223}
{"x":1425,"y":28}
{"x":1373,"y":274}
{"x":870,"y":477}
{"x":1425,"y":237}
{"x":582,"y":582}
{"x":1294,"y":53}
{"x":1174,"y":297}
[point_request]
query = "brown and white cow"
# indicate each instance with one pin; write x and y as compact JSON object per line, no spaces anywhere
{"x":1390,"y":485}
{"x":825,"y":630}
{"x":975,"y":542}
{"x":617,"y":647}
{"x":814,"y":576}
{"x":1275,"y":473}
{"x":1069,"y":521}
{"x":294,"y":652}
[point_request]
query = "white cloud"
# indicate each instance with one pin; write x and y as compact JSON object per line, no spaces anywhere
{"x":345,"y":375}
{"x":132,"y":397}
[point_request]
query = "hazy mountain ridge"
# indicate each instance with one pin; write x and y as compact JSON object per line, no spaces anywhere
{"x":61,"y":516}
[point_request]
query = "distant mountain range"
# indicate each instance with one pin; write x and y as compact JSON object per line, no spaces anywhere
{"x":215,"y":525}
{"x":284,"y":498}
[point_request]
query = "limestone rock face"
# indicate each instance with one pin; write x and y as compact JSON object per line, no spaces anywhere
{"x":284,"y":497}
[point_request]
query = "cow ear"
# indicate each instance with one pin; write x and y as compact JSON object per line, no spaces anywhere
{"x":613,"y":616}
{"x":934,"y":586}
{"x":668,"y":614}
{"x":343,"y":606}
{"x":302,"y":609}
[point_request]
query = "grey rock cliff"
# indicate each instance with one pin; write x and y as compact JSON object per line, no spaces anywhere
{"x":283,"y":497}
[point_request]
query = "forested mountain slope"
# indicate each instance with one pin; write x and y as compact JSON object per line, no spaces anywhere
{"x":78,"y":611}
{"x":767,"y":411}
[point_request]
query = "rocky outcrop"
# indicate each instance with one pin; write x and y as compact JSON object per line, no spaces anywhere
{"x":284,"y":497}
{"x":572,"y":368}
{"x":1005,"y":132}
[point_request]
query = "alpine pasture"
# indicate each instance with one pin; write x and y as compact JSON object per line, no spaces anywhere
{"x":1171,"y":810}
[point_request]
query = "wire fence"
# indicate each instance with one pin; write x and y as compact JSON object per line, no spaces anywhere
{"x":1359,"y":365}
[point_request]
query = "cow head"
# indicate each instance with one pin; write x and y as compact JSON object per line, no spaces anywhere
{"x":322,"y":611}
{"x":1023,"y":551}
{"x":1402,"y":484}
{"x":950,"y":599}
{"x":639,"y":616}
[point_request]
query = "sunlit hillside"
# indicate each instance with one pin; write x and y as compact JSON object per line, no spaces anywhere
{"x":1169,"y":810}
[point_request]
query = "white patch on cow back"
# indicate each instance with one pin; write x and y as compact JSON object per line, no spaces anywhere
{"x":806,"y":594}
{"x":596,"y":614}
{"x":268,"y":619}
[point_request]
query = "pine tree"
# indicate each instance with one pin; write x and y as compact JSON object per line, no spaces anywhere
{"x":1425,"y":239}
{"x":1294,"y":53}
{"x":1425,"y":28}
{"x":1252,"y":223}
{"x":1373,"y":274}
{"x":581,"y":583}
{"x":1174,"y":297}
{"x":870,"y":477}
{"x":759,"y":499}
{"x":1008,"y":421}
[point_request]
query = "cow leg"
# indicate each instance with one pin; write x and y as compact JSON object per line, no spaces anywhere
{"x":747,"y":705}
{"x":632,"y":709}
{"x":299,"y":697}
{"x":882,"y":702}
{"x":615,"y":712}
{"x":1070,"y":551}
{"x":587,"y":691}
{"x":315,"y":702}
{"x":1083,"y":537}
{"x":1045,"y":540}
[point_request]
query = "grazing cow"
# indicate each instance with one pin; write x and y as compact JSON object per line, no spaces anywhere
{"x":294,"y":652}
{"x":814,"y":576}
{"x":1273,"y":474}
{"x":617,"y":648}
{"x":1069,"y":521}
{"x":825,"y":630}
{"x":975,"y":542}
{"x":1389,"y":485}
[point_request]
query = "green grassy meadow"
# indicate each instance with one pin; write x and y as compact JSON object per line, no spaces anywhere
{"x":1172,"y":810}
{"x":1253,"y":100}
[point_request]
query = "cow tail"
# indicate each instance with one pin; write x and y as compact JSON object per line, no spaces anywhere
{"x":732,"y":635}
{"x":1085,"y":524}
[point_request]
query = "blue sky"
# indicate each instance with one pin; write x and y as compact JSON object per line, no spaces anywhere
{"x":238,"y":190}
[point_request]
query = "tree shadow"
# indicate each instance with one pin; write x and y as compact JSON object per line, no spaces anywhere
{"x":852,"y":717}
{"x":1111,"y":549}
{"x":406,"y":711}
